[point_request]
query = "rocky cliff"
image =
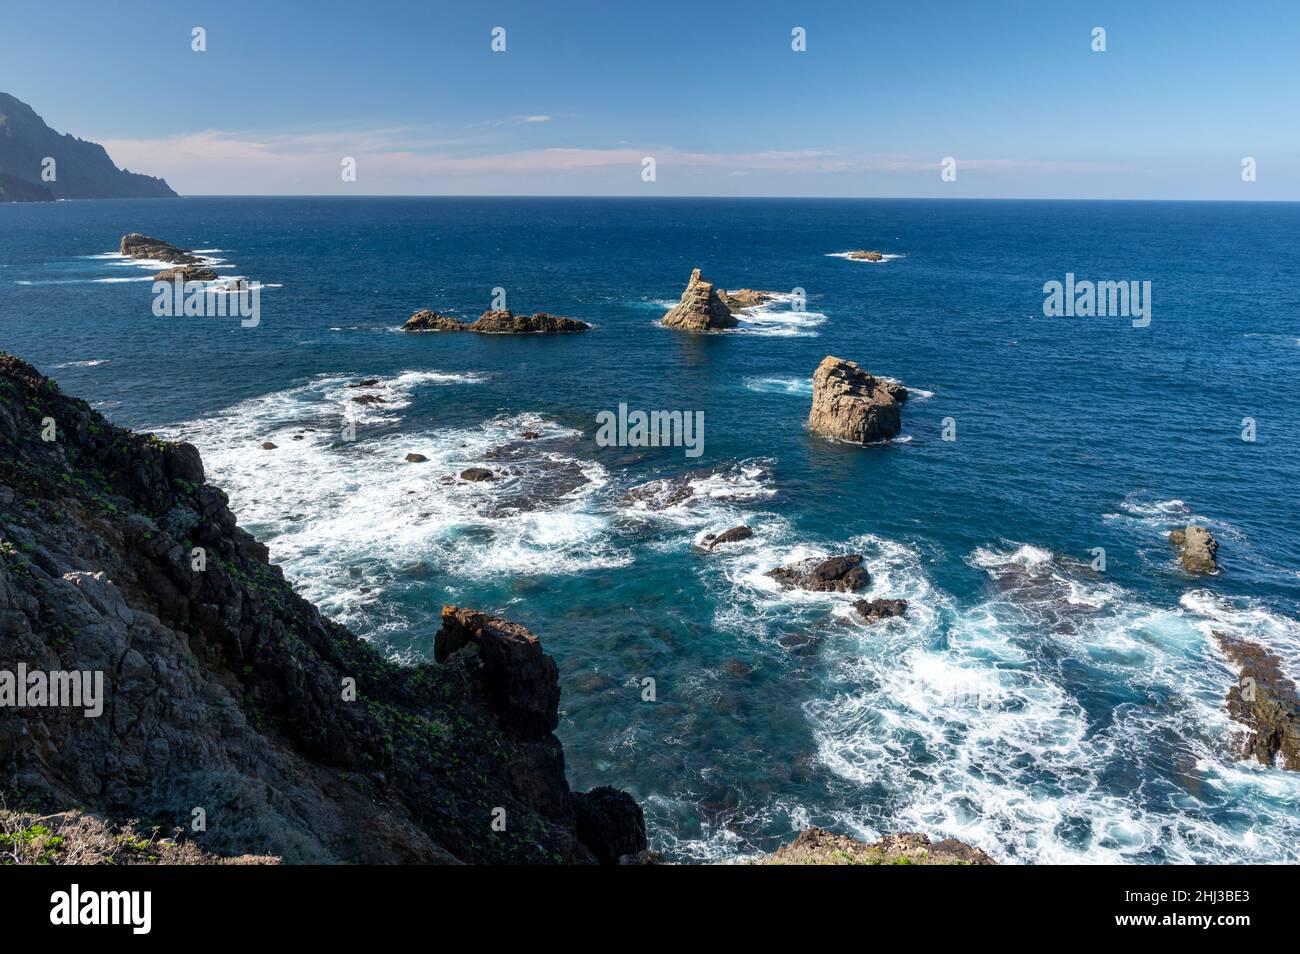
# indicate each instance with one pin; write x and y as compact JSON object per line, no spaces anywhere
{"x":82,"y":169}
{"x":231,"y":708}
{"x":14,"y":189}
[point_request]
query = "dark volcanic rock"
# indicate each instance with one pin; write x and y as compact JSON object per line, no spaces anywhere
{"x":365,"y":383}
{"x":746,"y":298}
{"x":416,"y":458}
{"x":508,"y":323}
{"x":496,"y":323}
{"x":135,"y":245}
{"x":852,"y":405}
{"x":426,"y":320}
{"x":732,"y":481}
{"x":224,"y":689}
{"x":701,"y":308}
{"x":873,"y":610}
{"x":839,"y":574}
{"x":610,"y":824}
{"x":1197,"y":549}
{"x":742,"y":532}
{"x":1264,"y":699}
{"x":369,"y":399}
{"x":477,"y":473}
{"x":523,"y":682}
{"x":186,"y":273}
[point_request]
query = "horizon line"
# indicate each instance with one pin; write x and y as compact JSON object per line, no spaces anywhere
{"x":838,"y":198}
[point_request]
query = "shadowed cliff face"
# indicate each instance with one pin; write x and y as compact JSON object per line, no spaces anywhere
{"x":225,"y":692}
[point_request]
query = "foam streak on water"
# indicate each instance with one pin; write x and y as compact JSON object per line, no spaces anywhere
{"x":353,"y":522}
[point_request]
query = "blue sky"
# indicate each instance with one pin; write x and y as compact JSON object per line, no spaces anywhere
{"x":711,"y":90}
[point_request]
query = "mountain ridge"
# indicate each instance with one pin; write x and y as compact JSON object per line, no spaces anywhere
{"x":82,"y":169}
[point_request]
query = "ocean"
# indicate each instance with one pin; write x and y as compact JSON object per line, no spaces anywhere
{"x":1029,"y":702}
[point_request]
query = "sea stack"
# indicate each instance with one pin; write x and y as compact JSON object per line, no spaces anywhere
{"x":701,"y":308}
{"x":852,"y":405}
{"x":1197,"y":549}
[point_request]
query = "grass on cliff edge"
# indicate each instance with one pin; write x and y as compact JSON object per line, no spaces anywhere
{"x":75,"y":838}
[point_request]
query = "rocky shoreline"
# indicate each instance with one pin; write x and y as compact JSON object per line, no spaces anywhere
{"x":230,"y":698}
{"x":231,"y":695}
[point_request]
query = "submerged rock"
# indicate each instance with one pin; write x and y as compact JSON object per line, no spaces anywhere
{"x":369,"y":399}
{"x":742,"y":532}
{"x":267,"y":445}
{"x":852,"y":405}
{"x":1264,"y":699}
{"x":701,"y":308}
{"x":839,"y":574}
{"x":875,"y":610}
{"x":1197,"y":549}
{"x":816,"y":846}
{"x":365,"y":383}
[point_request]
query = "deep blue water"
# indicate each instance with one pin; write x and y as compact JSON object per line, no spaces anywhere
{"x":1027,"y":704}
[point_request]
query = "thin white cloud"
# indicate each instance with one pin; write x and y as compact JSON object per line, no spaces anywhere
{"x":404,"y":159}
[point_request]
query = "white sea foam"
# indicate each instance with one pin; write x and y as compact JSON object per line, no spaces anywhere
{"x":913,"y":393}
{"x":777,"y":318}
{"x":776,"y":385}
{"x":973,"y":730}
{"x":964,"y":721}
{"x":93,"y":362}
{"x":352,"y":520}
{"x":886,"y":257}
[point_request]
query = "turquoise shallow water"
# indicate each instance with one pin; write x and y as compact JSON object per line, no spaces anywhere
{"x":1027,"y":703}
